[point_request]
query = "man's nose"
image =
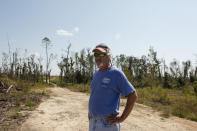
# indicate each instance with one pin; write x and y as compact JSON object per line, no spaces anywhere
{"x":97,"y":58}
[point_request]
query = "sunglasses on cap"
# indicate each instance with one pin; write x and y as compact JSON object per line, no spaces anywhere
{"x":99,"y":54}
{"x":103,"y":46}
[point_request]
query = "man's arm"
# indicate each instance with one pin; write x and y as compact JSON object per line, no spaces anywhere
{"x":88,"y":115}
{"x":131,"y":99}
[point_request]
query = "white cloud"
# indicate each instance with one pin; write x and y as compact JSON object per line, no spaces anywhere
{"x":76,"y":29}
{"x":117,"y":36}
{"x":37,"y":54}
{"x":63,"y":32}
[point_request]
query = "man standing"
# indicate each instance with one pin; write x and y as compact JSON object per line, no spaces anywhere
{"x":106,"y":86}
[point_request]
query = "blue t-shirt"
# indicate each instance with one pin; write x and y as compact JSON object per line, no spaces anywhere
{"x":106,"y":87}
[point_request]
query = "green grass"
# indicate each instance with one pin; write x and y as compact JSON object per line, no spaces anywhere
{"x":178,"y":102}
{"x":73,"y":87}
{"x":85,"y":88}
{"x":30,"y":104}
{"x":26,"y":86}
{"x":55,"y":79}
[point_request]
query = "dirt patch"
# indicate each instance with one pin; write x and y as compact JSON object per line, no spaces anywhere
{"x":66,"y":110}
{"x":13,"y":106}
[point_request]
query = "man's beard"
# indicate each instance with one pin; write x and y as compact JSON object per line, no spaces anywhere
{"x":100,"y":65}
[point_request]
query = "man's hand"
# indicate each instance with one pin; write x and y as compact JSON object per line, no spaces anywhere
{"x":113,"y":119}
{"x":88,"y":116}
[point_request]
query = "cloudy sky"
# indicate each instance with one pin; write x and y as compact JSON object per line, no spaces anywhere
{"x":128,"y":26}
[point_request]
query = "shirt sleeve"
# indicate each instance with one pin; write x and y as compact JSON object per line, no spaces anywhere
{"x":124,"y":86}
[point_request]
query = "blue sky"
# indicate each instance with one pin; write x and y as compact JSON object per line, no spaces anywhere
{"x":128,"y":26}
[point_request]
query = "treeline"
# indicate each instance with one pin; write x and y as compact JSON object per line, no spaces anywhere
{"x":148,"y":70}
{"x":152,"y":71}
{"x":26,"y":68}
{"x":78,"y":68}
{"x":16,"y":65}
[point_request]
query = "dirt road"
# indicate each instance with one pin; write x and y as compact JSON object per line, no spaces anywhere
{"x":67,"y":111}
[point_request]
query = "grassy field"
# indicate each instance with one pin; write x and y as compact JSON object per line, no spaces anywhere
{"x":178,"y":102}
{"x":181,"y":102}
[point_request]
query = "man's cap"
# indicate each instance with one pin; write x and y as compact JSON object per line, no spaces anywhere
{"x":101,"y":48}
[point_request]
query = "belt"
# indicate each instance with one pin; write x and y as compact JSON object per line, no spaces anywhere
{"x":99,"y":118}
{"x":94,"y":118}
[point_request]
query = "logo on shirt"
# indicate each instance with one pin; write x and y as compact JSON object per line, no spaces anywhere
{"x":106,"y":80}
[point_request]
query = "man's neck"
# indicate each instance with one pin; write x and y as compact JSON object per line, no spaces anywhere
{"x":104,"y":68}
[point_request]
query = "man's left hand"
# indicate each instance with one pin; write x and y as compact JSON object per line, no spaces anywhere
{"x":113,"y":119}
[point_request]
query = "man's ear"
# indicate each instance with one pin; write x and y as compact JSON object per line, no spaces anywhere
{"x":109,"y":56}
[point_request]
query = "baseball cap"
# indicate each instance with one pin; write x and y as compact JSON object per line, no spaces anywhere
{"x":103,"y":48}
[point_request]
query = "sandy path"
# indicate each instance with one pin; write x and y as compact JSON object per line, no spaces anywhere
{"x":67,"y":111}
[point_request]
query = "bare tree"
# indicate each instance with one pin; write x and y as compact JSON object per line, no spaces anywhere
{"x":175,"y":68}
{"x":66,"y":61}
{"x":186,"y":67}
{"x":47,"y":44}
{"x":9,"y":50}
{"x":5,"y":62}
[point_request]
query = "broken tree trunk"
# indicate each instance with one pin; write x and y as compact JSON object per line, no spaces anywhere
{"x":2,"y":84}
{"x":9,"y":89}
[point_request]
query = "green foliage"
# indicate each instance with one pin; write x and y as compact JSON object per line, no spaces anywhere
{"x":17,"y":99}
{"x":154,"y":94}
{"x":186,"y":107}
{"x":166,"y":83}
{"x":195,"y":87}
{"x":25,"y":88}
{"x":78,"y":87}
{"x":30,"y":104}
{"x":181,"y":81}
{"x":43,"y":93}
{"x":77,"y":70}
{"x":178,"y":102}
